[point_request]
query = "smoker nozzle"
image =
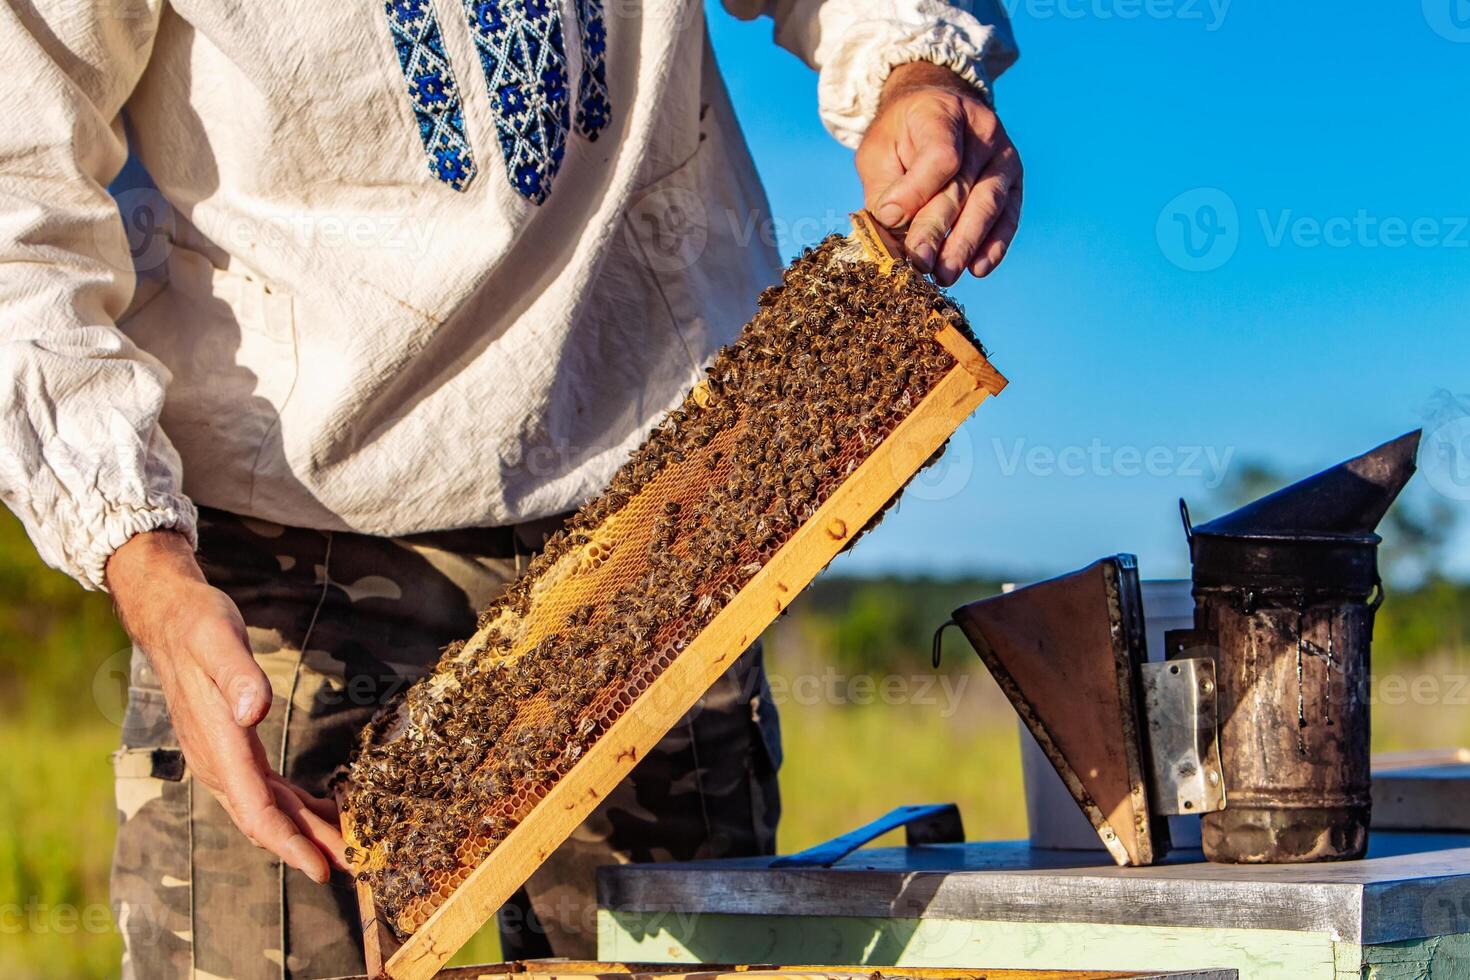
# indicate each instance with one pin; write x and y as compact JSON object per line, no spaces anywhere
{"x":1347,"y":500}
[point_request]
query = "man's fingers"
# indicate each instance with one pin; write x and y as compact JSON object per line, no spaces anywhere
{"x":999,"y":241}
{"x":226,"y":657}
{"x":982,"y":210}
{"x":251,"y":795}
{"x":271,"y":828}
{"x":305,"y":811}
{"x":938,"y":152}
{"x":878,"y":166}
{"x":323,"y":806}
{"x":242,"y":771}
{"x":926,"y":235}
{"x":257,"y":813}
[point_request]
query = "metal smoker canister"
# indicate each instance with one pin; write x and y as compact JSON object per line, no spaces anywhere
{"x":1286,"y":589}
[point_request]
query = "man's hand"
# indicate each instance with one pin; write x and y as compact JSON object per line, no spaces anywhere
{"x":937,"y":161}
{"x":216,"y":694}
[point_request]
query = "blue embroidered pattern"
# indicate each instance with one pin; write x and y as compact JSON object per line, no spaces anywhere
{"x":431,"y":87}
{"x":593,"y":106}
{"x":523,"y":54}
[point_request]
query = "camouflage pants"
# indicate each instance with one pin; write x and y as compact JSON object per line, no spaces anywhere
{"x":338,"y":622}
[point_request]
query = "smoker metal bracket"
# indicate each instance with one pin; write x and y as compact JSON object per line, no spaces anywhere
{"x":1179,"y":709}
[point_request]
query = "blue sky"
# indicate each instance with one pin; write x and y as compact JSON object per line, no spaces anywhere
{"x":1318,"y":156}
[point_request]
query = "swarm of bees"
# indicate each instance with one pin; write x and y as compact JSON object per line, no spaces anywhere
{"x":836,"y":356}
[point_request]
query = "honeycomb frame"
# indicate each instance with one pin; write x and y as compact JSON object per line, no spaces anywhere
{"x":472,"y":896}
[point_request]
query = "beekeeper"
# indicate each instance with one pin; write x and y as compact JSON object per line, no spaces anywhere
{"x":386,"y":289}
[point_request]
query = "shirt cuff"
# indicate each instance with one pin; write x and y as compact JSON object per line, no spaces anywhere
{"x":850,"y":85}
{"x":112,"y":528}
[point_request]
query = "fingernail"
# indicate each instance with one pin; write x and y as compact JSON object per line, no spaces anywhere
{"x":983,"y":267}
{"x":925,"y":253}
{"x":244,"y":708}
{"x":890,"y":214}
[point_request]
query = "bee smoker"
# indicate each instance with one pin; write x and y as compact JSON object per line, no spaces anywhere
{"x":1133,"y":741}
{"x":1285,"y":592}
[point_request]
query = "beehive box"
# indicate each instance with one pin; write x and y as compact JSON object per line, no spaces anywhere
{"x":853,"y":374}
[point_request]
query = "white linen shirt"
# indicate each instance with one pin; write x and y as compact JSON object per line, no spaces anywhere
{"x":298,"y":321}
